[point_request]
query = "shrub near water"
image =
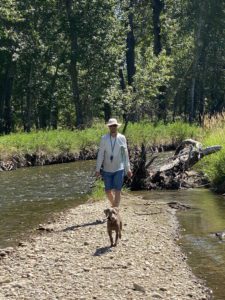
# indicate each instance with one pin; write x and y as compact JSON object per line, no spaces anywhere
{"x":214,"y":165}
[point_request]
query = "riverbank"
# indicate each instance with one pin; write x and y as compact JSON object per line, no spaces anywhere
{"x":44,"y":159}
{"x":39,"y":148}
{"x":71,"y":259}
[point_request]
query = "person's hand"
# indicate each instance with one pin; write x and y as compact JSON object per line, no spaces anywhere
{"x":97,"y":174}
{"x":129,"y":174}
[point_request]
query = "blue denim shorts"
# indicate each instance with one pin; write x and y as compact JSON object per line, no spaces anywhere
{"x":113,"y":180}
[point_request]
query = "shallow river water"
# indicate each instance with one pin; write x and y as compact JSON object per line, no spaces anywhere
{"x":205,"y":251}
{"x":29,"y":196}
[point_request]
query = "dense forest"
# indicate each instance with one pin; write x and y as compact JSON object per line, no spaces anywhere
{"x":66,"y":63}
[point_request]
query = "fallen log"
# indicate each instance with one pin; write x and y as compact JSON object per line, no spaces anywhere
{"x":187,"y":154}
{"x":186,"y":143}
{"x":172,"y":174}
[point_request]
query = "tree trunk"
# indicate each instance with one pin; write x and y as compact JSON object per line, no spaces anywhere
{"x":122,"y":81}
{"x":123,"y":88}
{"x":157,"y":7}
{"x":107,"y":111}
{"x":125,"y":125}
{"x":130,"y":60}
{"x":73,"y":64}
{"x":130,"y":54}
{"x":198,"y":48}
{"x":27,"y":117}
{"x":53,"y":101}
{"x":54,"y":113}
{"x":2,"y":100}
{"x":8,"y":93}
{"x":162,"y":104}
{"x":202,"y":97}
{"x":191,"y":113}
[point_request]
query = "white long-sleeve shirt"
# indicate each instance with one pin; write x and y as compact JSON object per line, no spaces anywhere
{"x":116,"y":147}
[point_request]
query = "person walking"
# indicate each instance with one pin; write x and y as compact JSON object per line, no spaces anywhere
{"x":113,"y":156}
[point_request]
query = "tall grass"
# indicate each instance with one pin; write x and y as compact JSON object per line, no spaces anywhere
{"x":60,"y":141}
{"x":214,"y":122}
{"x":161,"y":134}
{"x":49,"y":142}
{"x":214,"y":165}
{"x":98,"y":193}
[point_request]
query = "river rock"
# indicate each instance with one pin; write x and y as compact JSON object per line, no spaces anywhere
{"x":139,"y":288}
{"x":157,"y":296}
{"x":44,"y":228}
{"x":76,"y":264}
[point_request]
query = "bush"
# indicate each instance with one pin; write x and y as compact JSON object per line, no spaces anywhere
{"x":214,"y":165}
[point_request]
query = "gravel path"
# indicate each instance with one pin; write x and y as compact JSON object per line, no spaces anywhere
{"x":73,"y":260}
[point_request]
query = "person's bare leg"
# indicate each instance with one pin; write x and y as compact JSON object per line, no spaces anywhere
{"x":117,"y":198}
{"x":109,"y":195}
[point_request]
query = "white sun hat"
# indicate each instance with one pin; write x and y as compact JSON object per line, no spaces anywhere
{"x":113,"y":121}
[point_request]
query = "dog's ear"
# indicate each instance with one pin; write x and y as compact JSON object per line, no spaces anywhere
{"x":106,"y":211}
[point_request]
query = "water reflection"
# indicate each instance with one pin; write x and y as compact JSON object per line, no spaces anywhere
{"x":206,"y":253}
{"x":28,"y":196}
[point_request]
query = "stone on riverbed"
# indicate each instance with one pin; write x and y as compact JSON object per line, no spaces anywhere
{"x":44,"y":228}
{"x":79,"y":264}
{"x":139,"y":288}
{"x":5,"y":251}
{"x":178,"y":205}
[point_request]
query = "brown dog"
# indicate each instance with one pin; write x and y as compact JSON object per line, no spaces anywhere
{"x":114,"y":223}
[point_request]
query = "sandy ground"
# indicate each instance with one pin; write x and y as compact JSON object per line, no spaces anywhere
{"x":73,"y":259}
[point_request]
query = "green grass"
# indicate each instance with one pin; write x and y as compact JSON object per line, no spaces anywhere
{"x":98,"y":192}
{"x":51,"y":142}
{"x":161,"y":134}
{"x":214,"y":165}
{"x":54,"y":142}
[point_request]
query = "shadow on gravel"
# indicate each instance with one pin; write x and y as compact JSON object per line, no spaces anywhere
{"x":97,"y":222}
{"x":102,"y":251}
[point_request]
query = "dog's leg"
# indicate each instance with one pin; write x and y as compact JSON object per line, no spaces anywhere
{"x":120,"y":229}
{"x":117,"y":236}
{"x":110,"y":237}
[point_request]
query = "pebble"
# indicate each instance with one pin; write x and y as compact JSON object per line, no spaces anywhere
{"x":80,"y":264}
{"x":157,"y":296}
{"x":4,"y":280}
{"x":139,"y":288}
